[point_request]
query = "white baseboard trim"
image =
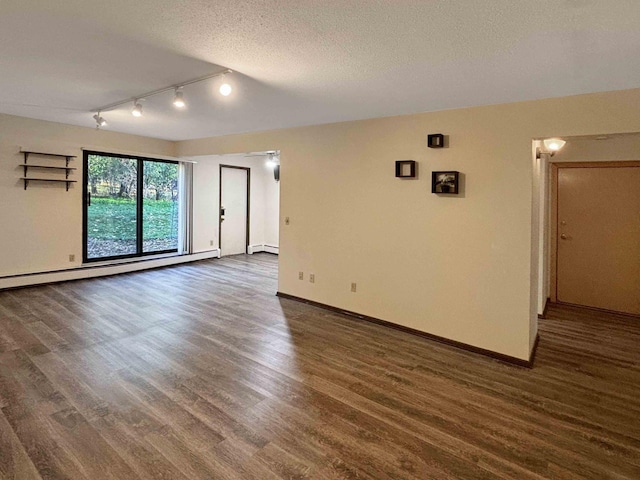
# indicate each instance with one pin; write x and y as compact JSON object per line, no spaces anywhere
{"x":271,"y":249}
{"x":90,"y":271}
{"x":262,"y":248}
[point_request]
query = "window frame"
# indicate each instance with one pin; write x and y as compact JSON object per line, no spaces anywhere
{"x":139,"y":205}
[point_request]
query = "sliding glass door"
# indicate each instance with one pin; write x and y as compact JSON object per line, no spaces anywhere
{"x":130,"y":208}
{"x":160,"y":207}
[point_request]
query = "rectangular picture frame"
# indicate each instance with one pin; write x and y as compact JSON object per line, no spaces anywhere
{"x":445,"y":183}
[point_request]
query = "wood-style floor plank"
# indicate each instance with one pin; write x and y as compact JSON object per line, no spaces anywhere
{"x":200,"y":372}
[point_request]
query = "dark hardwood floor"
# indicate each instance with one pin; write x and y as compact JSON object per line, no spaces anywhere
{"x":200,"y":372}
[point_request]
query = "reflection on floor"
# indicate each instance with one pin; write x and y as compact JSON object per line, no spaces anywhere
{"x":199,"y":372}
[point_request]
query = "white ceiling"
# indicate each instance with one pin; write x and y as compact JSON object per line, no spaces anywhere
{"x":302,"y":62}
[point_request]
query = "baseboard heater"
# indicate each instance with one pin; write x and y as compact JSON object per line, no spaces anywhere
{"x":262,"y":248}
{"x":91,"y":271}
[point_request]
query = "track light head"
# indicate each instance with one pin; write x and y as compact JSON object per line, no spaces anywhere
{"x":225,"y":88}
{"x":100,"y":122}
{"x":272,"y":160}
{"x":137,"y":109}
{"x":178,"y":99}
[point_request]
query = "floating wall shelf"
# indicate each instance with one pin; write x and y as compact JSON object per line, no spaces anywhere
{"x":32,"y":179}
{"x":66,"y":169}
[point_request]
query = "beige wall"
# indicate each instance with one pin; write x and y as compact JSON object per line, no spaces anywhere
{"x":460,"y":267}
{"x":206,"y":199}
{"x":42,"y":226}
{"x":463,"y":267}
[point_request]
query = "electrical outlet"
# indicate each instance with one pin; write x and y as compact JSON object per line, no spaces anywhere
{"x":211,"y":243}
{"x":72,"y":258}
{"x":286,"y":220}
{"x":312,"y":278}
{"x":353,"y":287}
{"x":300,"y":275}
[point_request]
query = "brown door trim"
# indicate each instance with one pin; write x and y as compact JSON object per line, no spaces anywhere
{"x":248,"y":169}
{"x":553,"y":223}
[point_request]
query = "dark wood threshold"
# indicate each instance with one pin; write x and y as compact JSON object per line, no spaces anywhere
{"x":545,"y":309}
{"x":464,"y":346}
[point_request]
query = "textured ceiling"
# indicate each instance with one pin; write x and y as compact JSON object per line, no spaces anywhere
{"x":305,"y":62}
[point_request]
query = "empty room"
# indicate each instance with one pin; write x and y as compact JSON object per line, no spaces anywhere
{"x":320,"y":240}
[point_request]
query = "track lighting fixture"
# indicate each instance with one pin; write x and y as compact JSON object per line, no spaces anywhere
{"x":178,"y":98}
{"x":100,"y":122}
{"x":136,"y":111}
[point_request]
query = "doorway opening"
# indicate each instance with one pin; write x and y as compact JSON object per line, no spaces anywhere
{"x":588,"y":227}
{"x":236,"y":204}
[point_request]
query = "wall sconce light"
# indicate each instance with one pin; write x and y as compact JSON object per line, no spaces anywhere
{"x":551,"y":146}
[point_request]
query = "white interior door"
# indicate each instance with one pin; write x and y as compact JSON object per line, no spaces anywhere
{"x":233,"y":225}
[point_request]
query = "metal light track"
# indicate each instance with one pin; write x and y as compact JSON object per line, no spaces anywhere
{"x":113,"y":105}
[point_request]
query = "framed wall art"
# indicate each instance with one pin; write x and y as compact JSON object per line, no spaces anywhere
{"x":445,"y":182}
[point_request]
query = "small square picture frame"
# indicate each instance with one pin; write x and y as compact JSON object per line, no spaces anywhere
{"x":445,"y":183}
{"x":405,"y":168}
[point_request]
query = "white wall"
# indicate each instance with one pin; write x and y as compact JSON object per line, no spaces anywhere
{"x":41,"y":226}
{"x":271,"y":211}
{"x":459,"y":267}
{"x":265,"y":194}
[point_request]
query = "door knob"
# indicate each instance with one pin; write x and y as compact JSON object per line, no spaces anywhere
{"x":563,"y":236}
